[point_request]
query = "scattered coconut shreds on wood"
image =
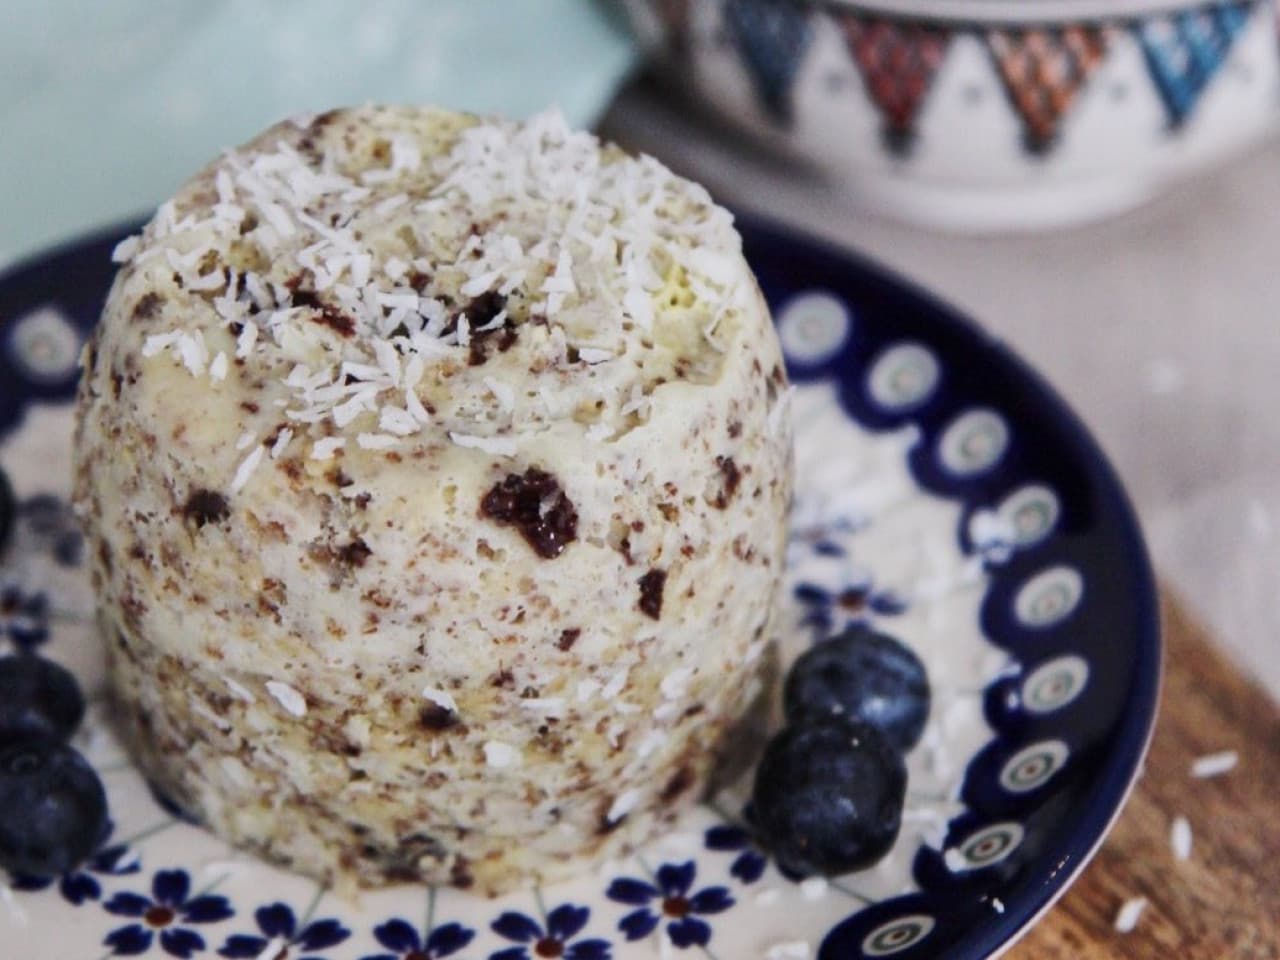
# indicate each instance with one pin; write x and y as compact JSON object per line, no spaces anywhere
{"x":1180,"y":838}
{"x":1214,"y":764}
{"x":1129,"y":913}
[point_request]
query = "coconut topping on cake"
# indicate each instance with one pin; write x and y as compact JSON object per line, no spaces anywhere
{"x":361,"y":290}
{"x":435,"y":474}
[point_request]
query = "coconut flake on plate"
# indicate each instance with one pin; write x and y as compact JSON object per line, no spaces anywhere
{"x":788,"y":950}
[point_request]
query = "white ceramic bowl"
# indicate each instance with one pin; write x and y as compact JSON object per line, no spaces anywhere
{"x":981,"y":114}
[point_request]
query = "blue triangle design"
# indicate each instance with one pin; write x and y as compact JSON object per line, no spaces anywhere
{"x":1185,"y":50}
{"x":772,"y":37}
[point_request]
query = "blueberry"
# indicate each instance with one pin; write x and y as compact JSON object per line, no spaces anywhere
{"x":37,"y":698}
{"x":828,"y":796}
{"x":865,"y":675}
{"x":53,"y":810}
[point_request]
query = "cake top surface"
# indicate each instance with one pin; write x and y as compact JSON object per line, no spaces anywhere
{"x":384,"y":271}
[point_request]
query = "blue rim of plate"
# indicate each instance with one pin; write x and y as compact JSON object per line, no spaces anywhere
{"x":886,"y":311}
{"x":1000,"y":379}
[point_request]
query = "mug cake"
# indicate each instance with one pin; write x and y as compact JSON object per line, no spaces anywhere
{"x":435,"y":473}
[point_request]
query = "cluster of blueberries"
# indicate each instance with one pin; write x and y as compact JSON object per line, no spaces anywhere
{"x":829,"y":790}
{"x":53,"y":809}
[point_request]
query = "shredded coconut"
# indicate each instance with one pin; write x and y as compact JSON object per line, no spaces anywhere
{"x":543,"y":704}
{"x":281,"y":443}
{"x":246,"y":469}
{"x":615,"y":685}
{"x":159,"y":342}
{"x":325,"y":448}
{"x":1130,"y":911}
{"x":650,"y":743}
{"x":1214,"y":764}
{"x":1180,"y":838}
{"x":289,"y":698}
{"x":569,"y":227}
{"x":624,"y":804}
{"x":274,"y":948}
{"x":498,"y":446}
{"x":440,"y":698}
{"x":500,"y":755}
{"x":218,"y":369}
{"x":674,"y":683}
{"x":502,"y":392}
{"x":788,"y":950}
{"x":376,"y":441}
{"x":126,"y":249}
{"x":238,"y":690}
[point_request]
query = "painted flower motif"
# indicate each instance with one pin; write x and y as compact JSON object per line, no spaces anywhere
{"x":279,"y":928}
{"x":24,"y":617}
{"x":829,"y":611}
{"x":669,"y":898}
{"x":405,"y":943}
{"x":166,"y":913}
{"x":563,"y":924}
{"x":80,"y":885}
{"x":749,"y":865}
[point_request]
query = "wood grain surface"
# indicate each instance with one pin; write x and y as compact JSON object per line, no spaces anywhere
{"x":1224,"y":902}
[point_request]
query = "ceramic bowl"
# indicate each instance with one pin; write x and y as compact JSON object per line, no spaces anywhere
{"x":981,"y":114}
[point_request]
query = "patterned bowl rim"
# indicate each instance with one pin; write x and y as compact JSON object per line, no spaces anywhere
{"x":1136,"y":724}
{"x":1024,"y":12}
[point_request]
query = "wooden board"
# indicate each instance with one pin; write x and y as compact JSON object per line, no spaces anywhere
{"x":1224,"y":902}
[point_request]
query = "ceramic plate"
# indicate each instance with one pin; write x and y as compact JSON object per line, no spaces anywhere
{"x":944,"y":495}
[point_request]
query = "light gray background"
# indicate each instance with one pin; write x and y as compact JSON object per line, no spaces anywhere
{"x":1160,"y":327}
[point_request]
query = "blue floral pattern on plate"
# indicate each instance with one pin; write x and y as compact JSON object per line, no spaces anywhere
{"x":557,"y":936}
{"x":167,"y":917}
{"x":1046,"y":556}
{"x":83,"y":884}
{"x":277,"y":926}
{"x":669,"y":895}
{"x":405,"y":943}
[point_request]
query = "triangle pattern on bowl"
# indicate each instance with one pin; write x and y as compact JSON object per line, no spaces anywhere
{"x":1043,"y":71}
{"x":1186,"y":49}
{"x":898,"y":61}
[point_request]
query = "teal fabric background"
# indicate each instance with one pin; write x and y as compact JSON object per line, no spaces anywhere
{"x":107,"y":105}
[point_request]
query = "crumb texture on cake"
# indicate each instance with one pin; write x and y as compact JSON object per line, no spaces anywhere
{"x":435,"y":471}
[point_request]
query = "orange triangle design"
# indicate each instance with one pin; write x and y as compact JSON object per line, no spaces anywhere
{"x":897,"y":61}
{"x":1043,"y":71}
